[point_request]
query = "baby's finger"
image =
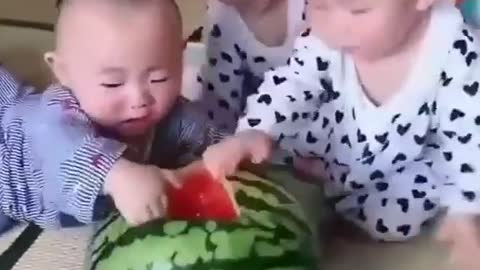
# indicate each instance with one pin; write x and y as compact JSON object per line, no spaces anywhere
{"x":446,"y":231}
{"x":209,"y":161}
{"x":257,"y":158}
{"x":220,"y":172}
{"x":163,"y":205}
{"x":172,"y":178}
{"x":230,"y":170}
{"x":463,"y":255}
{"x":130,"y":221}
{"x":135,"y":220}
{"x":454,"y":261}
{"x":462,"y":262}
{"x":129,"y":216}
{"x":158,"y":210}
{"x":145,"y":216}
{"x":214,"y":168}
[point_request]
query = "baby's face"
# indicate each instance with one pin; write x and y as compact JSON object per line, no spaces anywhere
{"x":124,"y":66}
{"x":366,"y":29}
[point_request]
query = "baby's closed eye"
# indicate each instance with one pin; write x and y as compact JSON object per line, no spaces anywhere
{"x":360,"y":11}
{"x":111,"y":85}
{"x":158,"y":76}
{"x":159,"y":80}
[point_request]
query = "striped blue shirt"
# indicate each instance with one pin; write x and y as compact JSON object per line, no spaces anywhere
{"x":54,"y":160}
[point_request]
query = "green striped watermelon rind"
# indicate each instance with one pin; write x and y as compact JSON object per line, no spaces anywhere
{"x":260,"y":242}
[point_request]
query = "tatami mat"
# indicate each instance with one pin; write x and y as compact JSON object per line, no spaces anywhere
{"x":7,"y":239}
{"x":59,"y":250}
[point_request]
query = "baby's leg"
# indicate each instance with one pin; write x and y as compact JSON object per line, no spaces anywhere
{"x":398,"y":212}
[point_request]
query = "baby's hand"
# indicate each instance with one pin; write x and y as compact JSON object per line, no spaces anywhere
{"x":139,"y":190}
{"x":222,"y":159}
{"x":462,"y":234}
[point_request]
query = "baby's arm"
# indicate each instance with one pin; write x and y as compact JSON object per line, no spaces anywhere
{"x":64,"y":152}
{"x":459,"y":119}
{"x":46,"y":162}
{"x":458,"y":114}
{"x":58,"y":167}
{"x":221,"y":76}
{"x":287,"y":102}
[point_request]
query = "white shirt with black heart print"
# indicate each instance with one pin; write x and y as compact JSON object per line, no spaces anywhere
{"x":397,"y":164}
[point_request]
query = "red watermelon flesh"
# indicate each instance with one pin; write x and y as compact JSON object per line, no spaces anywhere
{"x":201,"y":197}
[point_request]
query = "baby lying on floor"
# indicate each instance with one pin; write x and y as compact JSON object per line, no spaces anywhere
{"x":118,"y":64}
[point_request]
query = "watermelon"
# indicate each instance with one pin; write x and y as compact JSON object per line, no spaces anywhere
{"x":201,"y":197}
{"x":272,"y":232}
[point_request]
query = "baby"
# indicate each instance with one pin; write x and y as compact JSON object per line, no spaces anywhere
{"x":384,"y":96}
{"x":118,"y":66}
{"x":246,"y":38}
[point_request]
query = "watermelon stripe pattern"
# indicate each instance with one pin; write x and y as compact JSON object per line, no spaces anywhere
{"x":272,"y":234}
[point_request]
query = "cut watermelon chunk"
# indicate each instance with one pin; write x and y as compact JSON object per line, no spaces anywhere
{"x":202,"y":197}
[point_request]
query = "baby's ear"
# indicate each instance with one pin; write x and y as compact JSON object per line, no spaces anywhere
{"x":423,"y":5}
{"x":56,"y":66}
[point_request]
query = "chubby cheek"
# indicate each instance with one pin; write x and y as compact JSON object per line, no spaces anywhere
{"x":315,"y":24}
{"x":109,"y":111}
{"x":374,"y":39}
{"x":371,"y":37}
{"x":99,"y":105}
{"x":101,"y":108}
{"x":335,"y":31}
{"x":165,"y":100}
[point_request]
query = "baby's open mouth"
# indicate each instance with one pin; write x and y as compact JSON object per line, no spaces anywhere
{"x":134,"y":120}
{"x":137,"y":123}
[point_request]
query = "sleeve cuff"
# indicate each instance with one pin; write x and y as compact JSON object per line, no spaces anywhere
{"x":84,"y":175}
{"x":214,"y":135}
{"x":460,"y":203}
